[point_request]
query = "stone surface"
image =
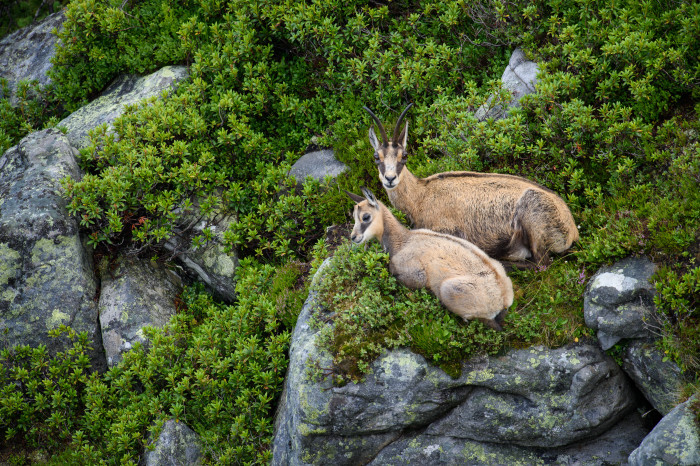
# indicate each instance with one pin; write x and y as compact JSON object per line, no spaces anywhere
{"x":674,"y":441}
{"x":125,"y":90}
{"x":46,"y":274}
{"x":619,"y":301}
{"x":519,"y":78}
{"x":135,"y":293}
{"x":532,"y":398}
{"x":613,"y":447}
{"x":658,"y":380}
{"x":209,"y":263}
{"x":177,"y":445}
{"x":317,"y":165}
{"x":26,"y":53}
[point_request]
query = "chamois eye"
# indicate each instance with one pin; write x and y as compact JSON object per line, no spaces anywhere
{"x":376,"y":158}
{"x":366,"y":217}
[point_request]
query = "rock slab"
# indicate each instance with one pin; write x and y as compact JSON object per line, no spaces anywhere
{"x":135,"y":293}
{"x":674,"y":441}
{"x":658,"y":380}
{"x":177,"y":445}
{"x":619,"y":301}
{"x":317,"y":165}
{"x":519,"y":78}
{"x":46,"y":276}
{"x":25,"y":55}
{"x":534,"y":398}
{"x":125,"y":90}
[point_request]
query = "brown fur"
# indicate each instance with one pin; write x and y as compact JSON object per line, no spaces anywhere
{"x":462,"y":276}
{"x":509,"y":217}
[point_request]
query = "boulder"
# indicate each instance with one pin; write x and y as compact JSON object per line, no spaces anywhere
{"x":519,"y":78}
{"x":619,"y":301}
{"x":531,"y":398}
{"x":613,"y":447}
{"x":46,"y":276}
{"x":674,"y":441}
{"x":25,"y":55}
{"x":658,"y":380}
{"x":317,"y":165}
{"x":125,"y":90}
{"x":135,"y":293}
{"x":177,"y":444}
{"x":210,"y":262}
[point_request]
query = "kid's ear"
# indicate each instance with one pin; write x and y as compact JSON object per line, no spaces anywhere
{"x":354,"y":197}
{"x":370,"y":197}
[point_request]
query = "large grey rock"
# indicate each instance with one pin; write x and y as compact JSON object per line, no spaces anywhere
{"x":317,"y":165}
{"x":25,"y":55}
{"x":674,"y":441}
{"x":210,"y":262}
{"x":125,"y":90}
{"x":46,"y":275}
{"x":619,"y":301}
{"x":177,"y":445}
{"x":530,"y":398}
{"x":135,"y":293}
{"x":658,"y":380}
{"x":519,"y":78}
{"x":613,"y":447}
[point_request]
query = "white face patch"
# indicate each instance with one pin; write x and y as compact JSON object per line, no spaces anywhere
{"x":366,"y":225}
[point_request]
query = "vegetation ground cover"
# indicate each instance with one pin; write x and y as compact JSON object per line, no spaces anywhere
{"x":614,"y":129}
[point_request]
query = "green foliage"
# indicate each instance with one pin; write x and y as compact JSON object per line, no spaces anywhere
{"x":100,"y":40}
{"x":678,"y":302}
{"x":217,"y":368}
{"x":41,"y":397}
{"x":372,"y":312}
{"x":15,"y":14}
{"x":35,"y":109}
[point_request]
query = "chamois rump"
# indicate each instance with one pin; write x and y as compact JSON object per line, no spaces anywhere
{"x":509,"y":217}
{"x":464,"y":279}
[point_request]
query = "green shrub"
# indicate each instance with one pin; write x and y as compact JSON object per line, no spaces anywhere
{"x":217,"y":368}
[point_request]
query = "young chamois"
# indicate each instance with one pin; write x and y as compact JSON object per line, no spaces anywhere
{"x":509,"y":217}
{"x":465,"y":280}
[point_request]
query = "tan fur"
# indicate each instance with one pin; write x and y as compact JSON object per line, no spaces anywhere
{"x":462,"y":276}
{"x":509,"y":217}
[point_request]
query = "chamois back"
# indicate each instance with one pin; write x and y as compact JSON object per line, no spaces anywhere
{"x":507,"y":216}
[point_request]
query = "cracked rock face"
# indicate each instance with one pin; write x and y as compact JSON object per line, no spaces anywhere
{"x":46,"y":274}
{"x":658,"y":380}
{"x":528,"y":399}
{"x":520,"y":78}
{"x":134,"y":294}
{"x":25,"y":55}
{"x":177,"y":444}
{"x":317,"y":165}
{"x":125,"y":90}
{"x":674,"y":441}
{"x":619,"y":301}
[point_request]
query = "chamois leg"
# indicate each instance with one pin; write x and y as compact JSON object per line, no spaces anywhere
{"x":465,"y":298}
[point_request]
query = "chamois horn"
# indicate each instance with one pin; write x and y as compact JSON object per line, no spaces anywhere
{"x":379,"y":123}
{"x":395,"y":136}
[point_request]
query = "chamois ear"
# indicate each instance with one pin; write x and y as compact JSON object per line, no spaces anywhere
{"x":354,"y":196}
{"x":403,"y":137}
{"x":370,"y":198}
{"x":373,"y":138}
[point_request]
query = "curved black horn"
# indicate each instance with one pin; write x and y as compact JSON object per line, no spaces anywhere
{"x":398,"y":123}
{"x":379,"y":123}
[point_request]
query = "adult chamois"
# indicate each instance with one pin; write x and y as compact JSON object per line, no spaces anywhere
{"x":465,"y":280}
{"x":509,"y":217}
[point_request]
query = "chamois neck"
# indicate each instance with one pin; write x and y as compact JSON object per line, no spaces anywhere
{"x":403,"y":197}
{"x":393,"y":234}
